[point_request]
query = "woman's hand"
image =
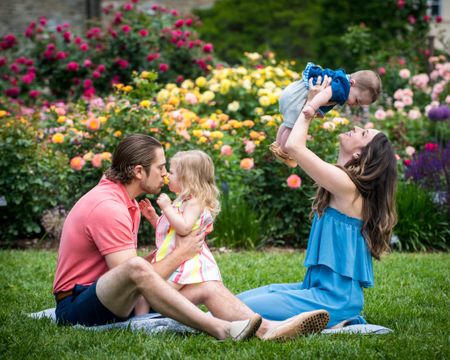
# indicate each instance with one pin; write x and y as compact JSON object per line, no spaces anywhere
{"x":315,"y":89}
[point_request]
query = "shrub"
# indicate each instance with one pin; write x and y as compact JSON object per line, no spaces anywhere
{"x":422,"y":224}
{"x":60,"y":64}
{"x":32,"y":178}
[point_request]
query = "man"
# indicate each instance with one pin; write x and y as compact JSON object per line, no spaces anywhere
{"x":99,"y":277}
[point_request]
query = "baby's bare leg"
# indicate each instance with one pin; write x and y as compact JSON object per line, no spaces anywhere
{"x":282,"y":136}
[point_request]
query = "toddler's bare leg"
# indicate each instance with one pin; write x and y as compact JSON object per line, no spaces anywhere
{"x":174,"y":285}
{"x":142,"y":307}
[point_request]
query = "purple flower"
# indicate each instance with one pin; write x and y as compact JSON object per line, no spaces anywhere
{"x":439,"y":113}
{"x":431,"y":169}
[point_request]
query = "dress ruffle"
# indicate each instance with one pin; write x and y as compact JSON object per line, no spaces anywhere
{"x":336,"y":241}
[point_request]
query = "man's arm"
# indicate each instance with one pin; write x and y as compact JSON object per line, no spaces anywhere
{"x":186,"y":248}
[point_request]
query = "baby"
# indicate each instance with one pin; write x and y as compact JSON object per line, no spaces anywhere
{"x":359,"y":88}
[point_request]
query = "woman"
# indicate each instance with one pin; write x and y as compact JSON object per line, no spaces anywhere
{"x":354,"y":216}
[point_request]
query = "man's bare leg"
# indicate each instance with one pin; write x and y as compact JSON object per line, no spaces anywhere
{"x":222,"y":303}
{"x":120,"y":288}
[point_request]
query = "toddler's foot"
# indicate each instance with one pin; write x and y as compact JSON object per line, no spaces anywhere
{"x":275,"y":148}
{"x":245,"y":329}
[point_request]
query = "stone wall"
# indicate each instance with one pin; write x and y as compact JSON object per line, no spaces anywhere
{"x":15,"y":15}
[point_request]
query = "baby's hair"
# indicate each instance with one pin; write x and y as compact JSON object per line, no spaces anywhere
{"x":195,"y":174}
{"x":368,"y":80}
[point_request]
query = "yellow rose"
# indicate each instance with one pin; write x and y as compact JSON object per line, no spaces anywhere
{"x":201,"y":82}
{"x":170,"y":86}
{"x":216,"y":135}
{"x":264,"y":101}
{"x":208,"y":96}
{"x":102,"y":119}
{"x":57,"y":138}
{"x":118,"y":86}
{"x":117,"y":133}
{"x":127,"y":88}
{"x":144,"y":103}
{"x":248,"y":123}
{"x":202,"y":139}
{"x":225,"y":86}
{"x":3,"y":113}
{"x":145,"y":74}
{"x":162,"y":96}
{"x":259,"y":111}
{"x":88,"y":156}
{"x":187,"y":84}
{"x":197,"y":133}
{"x":106,"y":155}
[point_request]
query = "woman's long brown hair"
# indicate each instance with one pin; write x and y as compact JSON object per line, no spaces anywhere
{"x":374,"y":173}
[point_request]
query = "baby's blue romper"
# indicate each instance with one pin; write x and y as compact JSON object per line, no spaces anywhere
{"x":294,"y":96}
{"x":339,"y":265}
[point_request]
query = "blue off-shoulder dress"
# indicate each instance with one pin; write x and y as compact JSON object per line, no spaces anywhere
{"x":339,"y":267}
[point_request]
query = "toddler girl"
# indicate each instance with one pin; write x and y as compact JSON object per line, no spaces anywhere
{"x":359,"y":88}
{"x":191,"y":176}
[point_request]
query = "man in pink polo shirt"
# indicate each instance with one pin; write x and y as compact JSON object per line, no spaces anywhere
{"x":100,"y":278}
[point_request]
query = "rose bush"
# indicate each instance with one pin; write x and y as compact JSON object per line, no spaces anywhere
{"x":50,"y":64}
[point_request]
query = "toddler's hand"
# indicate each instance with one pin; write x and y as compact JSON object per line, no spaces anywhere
{"x":163,"y":201}
{"x":308,"y":111}
{"x":147,"y":209}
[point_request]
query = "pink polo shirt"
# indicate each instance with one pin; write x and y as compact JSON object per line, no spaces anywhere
{"x":103,"y":221}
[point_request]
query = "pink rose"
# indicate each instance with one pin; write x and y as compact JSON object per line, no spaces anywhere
{"x":143,"y":32}
{"x":151,"y":57}
{"x":208,"y":48}
{"x":404,"y":73}
{"x":77,"y":163}
{"x":381,"y":70}
{"x":294,"y":181}
{"x":226,"y":150}
{"x":179,"y":23}
{"x":72,"y":66}
{"x":380,"y":114}
{"x":249,"y":147}
{"x":97,"y":161}
{"x":247,"y":164}
{"x":410,"y":150}
{"x":191,"y":98}
{"x":163,"y":67}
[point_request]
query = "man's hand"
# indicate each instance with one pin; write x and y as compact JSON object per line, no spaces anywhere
{"x":190,"y":245}
{"x":163,"y":201}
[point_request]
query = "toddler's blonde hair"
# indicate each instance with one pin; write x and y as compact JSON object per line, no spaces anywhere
{"x":195,"y":175}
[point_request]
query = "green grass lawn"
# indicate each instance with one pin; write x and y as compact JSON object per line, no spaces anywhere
{"x":411,"y":296}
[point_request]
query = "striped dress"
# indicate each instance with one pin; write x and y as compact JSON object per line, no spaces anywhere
{"x":201,"y":267}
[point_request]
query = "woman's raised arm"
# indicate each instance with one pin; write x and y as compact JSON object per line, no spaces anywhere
{"x":326,"y":175}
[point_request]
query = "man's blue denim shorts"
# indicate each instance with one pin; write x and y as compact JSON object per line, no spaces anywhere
{"x":84,"y":308}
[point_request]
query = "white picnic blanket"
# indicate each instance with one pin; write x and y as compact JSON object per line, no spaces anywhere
{"x":155,"y":323}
